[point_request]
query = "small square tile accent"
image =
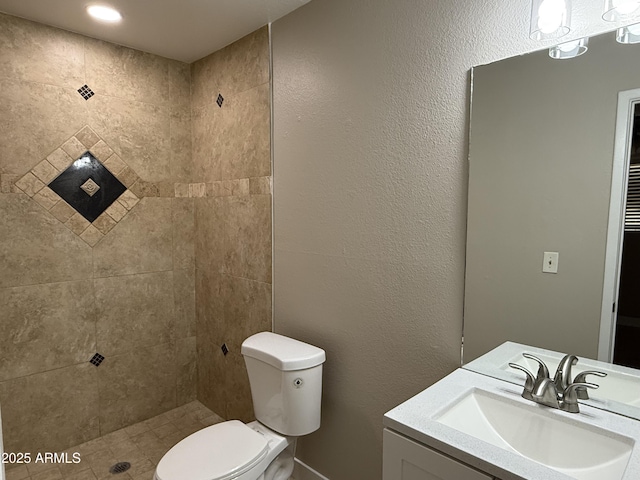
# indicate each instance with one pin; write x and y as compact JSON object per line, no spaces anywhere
{"x":60,"y":159}
{"x":87,"y":137}
{"x":104,"y":223}
{"x":90,"y":187}
{"x":97,"y":359}
{"x":62,"y":211}
{"x":182,"y":190}
{"x":116,"y":211}
{"x":29,"y":184}
{"x":70,"y":182}
{"x":91,"y":235}
{"x":115,"y":164}
{"x":128,"y":199}
{"x":224,"y":348}
{"x":47,"y":198}
{"x":74,"y":147}
{"x":219,"y":100}
{"x":102,"y":151}
{"x":86,"y":92}
{"x":77,"y":223}
{"x":45,"y":171}
{"x":128,"y":177}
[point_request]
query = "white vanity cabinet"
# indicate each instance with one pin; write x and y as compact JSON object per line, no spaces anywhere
{"x":406,"y":459}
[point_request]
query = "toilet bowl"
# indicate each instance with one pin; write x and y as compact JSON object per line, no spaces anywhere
{"x":285,"y":376}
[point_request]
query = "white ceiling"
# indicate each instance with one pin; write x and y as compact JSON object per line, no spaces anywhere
{"x":185,"y":30}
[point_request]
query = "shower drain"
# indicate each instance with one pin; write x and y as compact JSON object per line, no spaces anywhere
{"x":120,"y":467}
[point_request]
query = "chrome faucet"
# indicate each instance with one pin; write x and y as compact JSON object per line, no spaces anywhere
{"x":560,"y":392}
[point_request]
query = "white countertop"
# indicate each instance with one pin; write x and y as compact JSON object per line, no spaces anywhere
{"x":415,"y":419}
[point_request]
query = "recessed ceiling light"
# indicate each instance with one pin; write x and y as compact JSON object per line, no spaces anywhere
{"x":104,"y":14}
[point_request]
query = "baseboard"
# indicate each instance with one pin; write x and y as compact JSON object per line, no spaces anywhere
{"x":302,"y":471}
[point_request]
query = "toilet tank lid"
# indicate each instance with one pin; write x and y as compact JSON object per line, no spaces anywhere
{"x":282,"y":352}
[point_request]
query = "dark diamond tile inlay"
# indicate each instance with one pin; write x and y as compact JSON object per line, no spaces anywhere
{"x":220,"y":100}
{"x":86,"y":92}
{"x":224,"y":348}
{"x":96,"y":359}
{"x":69,"y":185}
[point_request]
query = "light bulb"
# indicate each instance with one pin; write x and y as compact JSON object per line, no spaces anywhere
{"x":569,"y":46}
{"x":625,"y":7}
{"x":550,"y":15}
{"x":104,"y":13}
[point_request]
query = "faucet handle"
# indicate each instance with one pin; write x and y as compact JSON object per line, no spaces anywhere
{"x":562,"y":378}
{"x":528,"y":383}
{"x":570,"y":398}
{"x":581,"y":392}
{"x":543,"y":371}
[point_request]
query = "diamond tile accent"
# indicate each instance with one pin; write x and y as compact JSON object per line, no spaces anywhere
{"x":86,"y":92}
{"x":69,"y":185}
{"x":97,"y":359}
{"x":219,"y":100}
{"x":87,"y":197}
{"x":90,"y":187}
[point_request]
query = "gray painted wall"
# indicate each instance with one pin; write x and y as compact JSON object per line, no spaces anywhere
{"x":370,"y":197}
{"x":542,"y":138}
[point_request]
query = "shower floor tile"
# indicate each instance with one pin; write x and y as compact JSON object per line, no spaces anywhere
{"x":142,"y":445}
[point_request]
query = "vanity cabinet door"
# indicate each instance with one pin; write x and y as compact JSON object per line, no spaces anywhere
{"x":404,"y":459}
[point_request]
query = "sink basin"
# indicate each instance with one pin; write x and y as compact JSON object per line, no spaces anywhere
{"x":616,"y":386}
{"x":549,"y":437}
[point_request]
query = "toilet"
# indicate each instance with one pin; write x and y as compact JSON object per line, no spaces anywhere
{"x":286,"y":386}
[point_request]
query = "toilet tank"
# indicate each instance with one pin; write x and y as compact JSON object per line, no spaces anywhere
{"x":286,"y":382}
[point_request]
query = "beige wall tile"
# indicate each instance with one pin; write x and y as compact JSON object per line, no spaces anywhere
{"x":125,"y":73}
{"x":128,"y":199}
{"x":116,"y":211}
{"x":210,"y":241}
{"x":32,"y":52}
{"x":45,"y":327}
{"x":36,"y":248}
{"x":141,"y":242}
{"x":207,"y":142}
{"x":247,"y":309}
{"x":260,"y":186}
{"x":134,"y":311}
{"x":246,"y":150}
{"x":240,"y":66}
{"x":184,"y":230}
{"x":138,"y":132}
{"x":115,"y":164}
{"x":181,"y":164}
{"x":7,"y":183}
{"x":184,"y":293}
{"x":50,"y":411}
{"x":136,"y":386}
{"x":186,"y":370}
{"x":180,"y":85}
{"x":238,"y":399}
{"x":248,"y":237}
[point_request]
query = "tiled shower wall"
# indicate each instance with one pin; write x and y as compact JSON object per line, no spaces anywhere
{"x":127,"y":290}
{"x":232,"y":155}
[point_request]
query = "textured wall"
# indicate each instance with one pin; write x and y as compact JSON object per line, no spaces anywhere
{"x":124,"y":286}
{"x":232,"y":156}
{"x":370,"y":179}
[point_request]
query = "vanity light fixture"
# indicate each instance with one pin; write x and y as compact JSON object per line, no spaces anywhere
{"x":569,"y":49}
{"x":550,"y":19}
{"x":105,"y":14}
{"x":620,"y":9}
{"x":628,"y":35}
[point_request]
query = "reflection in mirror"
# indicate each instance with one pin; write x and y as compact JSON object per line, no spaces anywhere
{"x":541,"y":155}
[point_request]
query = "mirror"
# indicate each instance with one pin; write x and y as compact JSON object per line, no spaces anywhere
{"x":541,"y":160}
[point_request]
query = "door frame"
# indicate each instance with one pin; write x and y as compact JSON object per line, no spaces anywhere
{"x":627,"y":101}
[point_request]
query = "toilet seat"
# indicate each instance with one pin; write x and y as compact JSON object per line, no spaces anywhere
{"x":220,"y":452}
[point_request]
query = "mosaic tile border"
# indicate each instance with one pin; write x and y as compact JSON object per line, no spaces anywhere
{"x":34,"y":184}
